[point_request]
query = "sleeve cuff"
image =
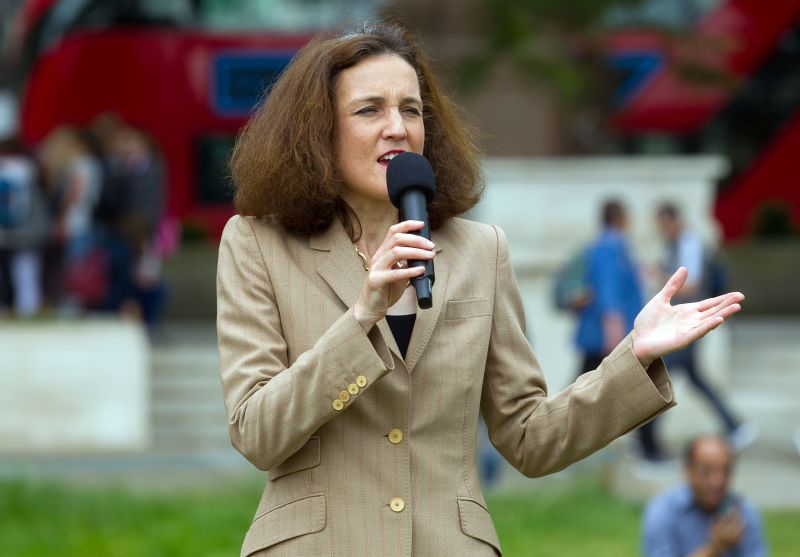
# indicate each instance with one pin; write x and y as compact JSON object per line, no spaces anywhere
{"x":362,"y":358}
{"x":649,"y":391}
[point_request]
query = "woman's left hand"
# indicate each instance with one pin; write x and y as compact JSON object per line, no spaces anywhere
{"x":661,"y":328}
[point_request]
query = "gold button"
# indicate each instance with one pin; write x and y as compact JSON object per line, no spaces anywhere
{"x":344,"y":396}
{"x":353,"y":389}
{"x":397,"y":504}
{"x":338,"y":404}
{"x":361,"y":381}
{"x":395,"y":436}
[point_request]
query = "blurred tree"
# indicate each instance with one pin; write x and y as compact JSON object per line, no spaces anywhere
{"x":561,"y":44}
{"x":551,"y":39}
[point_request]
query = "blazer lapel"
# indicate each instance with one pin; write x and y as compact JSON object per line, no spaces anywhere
{"x":343,"y":270}
{"x":427,"y":318}
{"x":339,"y":266}
{"x":389,"y":339}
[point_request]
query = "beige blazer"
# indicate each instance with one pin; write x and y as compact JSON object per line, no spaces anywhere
{"x":370,"y":454}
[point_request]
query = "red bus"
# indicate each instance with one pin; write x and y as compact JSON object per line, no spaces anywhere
{"x":731,"y":88}
{"x":176,"y":70}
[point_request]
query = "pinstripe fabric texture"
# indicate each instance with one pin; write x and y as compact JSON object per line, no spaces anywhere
{"x":289,"y":345}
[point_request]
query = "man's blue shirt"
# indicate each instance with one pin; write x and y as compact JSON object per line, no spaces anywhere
{"x":616,"y":288}
{"x":674,"y":526}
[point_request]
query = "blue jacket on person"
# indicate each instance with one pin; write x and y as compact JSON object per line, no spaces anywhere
{"x":615,"y":284}
{"x":675,"y":526}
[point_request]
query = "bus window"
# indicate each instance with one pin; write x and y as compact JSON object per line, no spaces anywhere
{"x":214,"y":182}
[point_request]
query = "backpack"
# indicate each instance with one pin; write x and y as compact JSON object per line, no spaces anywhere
{"x":571,"y":291}
{"x":16,"y":197}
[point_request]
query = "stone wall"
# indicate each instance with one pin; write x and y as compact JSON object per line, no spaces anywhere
{"x":74,"y":386}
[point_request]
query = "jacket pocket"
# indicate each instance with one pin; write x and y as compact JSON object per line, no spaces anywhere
{"x":461,"y":309}
{"x":306,"y":457}
{"x":290,"y":520}
{"x":476,"y":522}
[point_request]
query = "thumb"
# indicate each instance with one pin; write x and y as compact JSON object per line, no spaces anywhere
{"x":674,"y":284}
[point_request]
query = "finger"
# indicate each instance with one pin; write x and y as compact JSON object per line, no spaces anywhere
{"x":674,"y":284}
{"x":724,"y":311}
{"x":729,"y":310}
{"x":408,"y":272}
{"x":412,"y":240}
{"x":708,"y":303}
{"x":397,"y":235}
{"x":727,"y":302}
{"x":399,"y":253}
{"x":405,"y":226}
{"x":383,"y":279}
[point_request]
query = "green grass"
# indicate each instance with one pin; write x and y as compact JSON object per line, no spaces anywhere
{"x":45,"y":519}
{"x":582,"y":519}
{"x":53,"y":520}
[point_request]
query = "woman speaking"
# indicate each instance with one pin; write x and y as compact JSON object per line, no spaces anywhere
{"x":362,"y":408}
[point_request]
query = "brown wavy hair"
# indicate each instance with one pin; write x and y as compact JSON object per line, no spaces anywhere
{"x":284,"y":161}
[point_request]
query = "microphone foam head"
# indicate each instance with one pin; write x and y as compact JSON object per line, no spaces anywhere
{"x":409,"y":171}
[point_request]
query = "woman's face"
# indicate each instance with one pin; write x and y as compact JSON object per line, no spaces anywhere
{"x":378,"y":115}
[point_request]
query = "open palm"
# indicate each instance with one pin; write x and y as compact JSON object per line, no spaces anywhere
{"x":661,"y":328}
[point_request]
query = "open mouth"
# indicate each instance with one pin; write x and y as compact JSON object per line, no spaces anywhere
{"x":384,"y":159}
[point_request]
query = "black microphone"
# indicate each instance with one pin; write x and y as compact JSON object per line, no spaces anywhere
{"x":411,"y":185}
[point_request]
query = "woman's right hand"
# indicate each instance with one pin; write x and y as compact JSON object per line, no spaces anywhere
{"x":389,"y":273}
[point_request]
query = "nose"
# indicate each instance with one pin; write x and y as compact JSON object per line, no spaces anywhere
{"x":395,"y":127}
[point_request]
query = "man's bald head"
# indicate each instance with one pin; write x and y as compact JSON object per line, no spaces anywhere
{"x":705,"y":444}
{"x":708,"y":468}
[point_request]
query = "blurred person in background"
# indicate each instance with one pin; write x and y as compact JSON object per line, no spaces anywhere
{"x":109,"y":212}
{"x":142,"y":224}
{"x":490,"y":462}
{"x":73,"y":177}
{"x":706,"y":278}
{"x":131,"y":216}
{"x":23,"y":221}
{"x":702,"y":518}
{"x":615,"y":289}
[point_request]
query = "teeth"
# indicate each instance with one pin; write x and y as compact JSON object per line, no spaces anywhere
{"x":389,"y":157}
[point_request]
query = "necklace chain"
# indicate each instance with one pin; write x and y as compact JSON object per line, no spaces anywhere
{"x":363,"y":257}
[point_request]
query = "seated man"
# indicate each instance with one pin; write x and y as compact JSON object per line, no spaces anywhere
{"x":702,"y":518}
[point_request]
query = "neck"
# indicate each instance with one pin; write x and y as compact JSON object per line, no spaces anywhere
{"x":375,"y":217}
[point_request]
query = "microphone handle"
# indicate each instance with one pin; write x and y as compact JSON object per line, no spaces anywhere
{"x":414,"y":206}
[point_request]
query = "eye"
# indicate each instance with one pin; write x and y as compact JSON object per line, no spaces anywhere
{"x":367,"y":110}
{"x":412,"y":110}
